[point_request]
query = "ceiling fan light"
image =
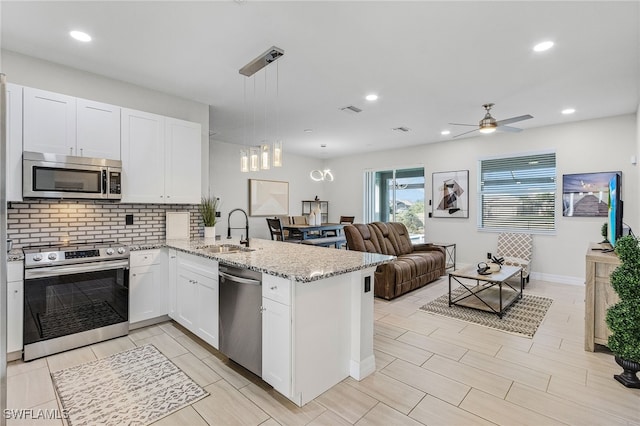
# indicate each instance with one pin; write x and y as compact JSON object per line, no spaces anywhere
{"x":489,"y":128}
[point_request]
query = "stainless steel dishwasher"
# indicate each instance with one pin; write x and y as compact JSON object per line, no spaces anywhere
{"x":240,"y":322}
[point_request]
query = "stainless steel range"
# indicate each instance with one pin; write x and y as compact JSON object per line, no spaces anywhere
{"x":74,"y":295}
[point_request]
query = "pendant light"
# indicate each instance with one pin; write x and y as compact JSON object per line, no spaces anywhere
{"x":277,"y":144}
{"x":262,"y":157}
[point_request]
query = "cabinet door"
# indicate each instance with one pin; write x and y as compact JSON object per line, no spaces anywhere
{"x":173,"y":278}
{"x":98,"y":130}
{"x":142,"y":293}
{"x":142,"y":157}
{"x":14,"y":143}
{"x":183,"y":161}
{"x":186,"y":299}
{"x":276,"y":345}
{"x":15,"y":308}
{"x":49,"y":122}
{"x":207,"y":328}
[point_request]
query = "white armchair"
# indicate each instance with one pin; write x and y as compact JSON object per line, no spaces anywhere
{"x":517,"y":250}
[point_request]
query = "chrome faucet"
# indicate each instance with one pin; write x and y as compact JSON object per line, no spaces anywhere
{"x":244,"y":242}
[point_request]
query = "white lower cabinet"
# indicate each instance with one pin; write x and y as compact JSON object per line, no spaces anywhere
{"x":197,"y":296}
{"x":15,"y":306}
{"x":276,"y":333}
{"x":148,"y":285}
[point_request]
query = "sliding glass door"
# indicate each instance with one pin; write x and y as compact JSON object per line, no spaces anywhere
{"x":397,"y":196}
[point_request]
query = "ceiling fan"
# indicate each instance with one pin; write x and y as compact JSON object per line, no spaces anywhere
{"x":489,"y":124}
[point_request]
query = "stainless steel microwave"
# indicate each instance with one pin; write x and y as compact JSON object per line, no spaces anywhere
{"x":63,"y":176}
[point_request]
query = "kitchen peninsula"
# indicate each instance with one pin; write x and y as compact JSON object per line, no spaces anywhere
{"x":317,"y":307}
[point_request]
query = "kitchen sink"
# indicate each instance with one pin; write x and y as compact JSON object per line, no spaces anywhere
{"x":224,"y":248}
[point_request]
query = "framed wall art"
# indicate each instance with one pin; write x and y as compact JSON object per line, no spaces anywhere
{"x":451,"y":194}
{"x":586,"y":194}
{"x":268,"y":198}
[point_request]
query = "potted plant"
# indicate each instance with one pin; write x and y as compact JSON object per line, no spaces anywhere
{"x":604,"y":232}
{"x":623,"y":318}
{"x":208,"y":208}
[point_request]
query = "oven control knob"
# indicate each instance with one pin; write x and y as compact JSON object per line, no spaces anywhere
{"x":121,"y":250}
{"x":37,"y":257}
{"x":110,"y":251}
{"x":52,"y":256}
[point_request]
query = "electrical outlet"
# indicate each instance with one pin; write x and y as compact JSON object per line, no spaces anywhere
{"x":218,"y":214}
{"x":489,"y":255}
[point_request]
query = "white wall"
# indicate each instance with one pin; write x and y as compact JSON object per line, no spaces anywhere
{"x":40,"y":74}
{"x":232,"y":186}
{"x":588,"y":146}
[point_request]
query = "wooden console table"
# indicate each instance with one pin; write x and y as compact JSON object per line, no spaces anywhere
{"x":599,"y":295}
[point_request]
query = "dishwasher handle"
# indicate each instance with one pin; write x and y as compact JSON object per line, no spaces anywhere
{"x":239,"y":279}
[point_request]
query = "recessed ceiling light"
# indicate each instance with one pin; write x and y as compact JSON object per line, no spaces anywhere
{"x":371,"y":97}
{"x":323,"y":145}
{"x":308,"y":130}
{"x":80,"y":36}
{"x":445,"y":132}
{"x":568,"y":111}
{"x":541,"y":47}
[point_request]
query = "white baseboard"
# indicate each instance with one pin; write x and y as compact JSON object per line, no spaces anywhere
{"x":541,"y":276}
{"x":561,"y":279}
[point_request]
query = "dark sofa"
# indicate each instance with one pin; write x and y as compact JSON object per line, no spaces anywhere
{"x":415,"y":266}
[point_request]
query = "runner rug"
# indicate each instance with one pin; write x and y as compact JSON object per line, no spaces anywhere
{"x":522,"y":318}
{"x":135,"y":387}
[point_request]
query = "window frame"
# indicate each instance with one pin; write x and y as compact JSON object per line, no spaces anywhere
{"x":480,"y":193}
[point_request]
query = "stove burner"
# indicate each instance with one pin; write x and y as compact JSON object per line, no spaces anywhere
{"x":73,"y":253}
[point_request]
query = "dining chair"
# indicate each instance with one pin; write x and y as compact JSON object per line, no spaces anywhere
{"x":275,"y":228}
{"x":299,"y":220}
{"x":344,"y":220}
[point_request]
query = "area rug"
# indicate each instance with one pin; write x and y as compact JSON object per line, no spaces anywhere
{"x":522,"y":318}
{"x":135,"y":387}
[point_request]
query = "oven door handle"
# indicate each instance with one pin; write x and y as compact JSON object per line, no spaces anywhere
{"x":56,"y":271}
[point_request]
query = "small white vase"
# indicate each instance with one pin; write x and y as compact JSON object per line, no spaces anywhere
{"x":210,"y":232}
{"x":317,"y":214}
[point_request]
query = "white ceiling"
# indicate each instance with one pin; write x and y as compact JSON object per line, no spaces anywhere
{"x":430,"y":62}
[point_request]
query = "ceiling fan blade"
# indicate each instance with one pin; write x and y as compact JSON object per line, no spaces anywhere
{"x":509,"y":129}
{"x":470,"y":131}
{"x":513,"y":119}
{"x":460,"y":124}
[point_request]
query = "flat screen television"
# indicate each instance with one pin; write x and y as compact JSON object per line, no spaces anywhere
{"x":614,"y":226}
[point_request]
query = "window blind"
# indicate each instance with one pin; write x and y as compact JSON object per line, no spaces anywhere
{"x":518,"y":193}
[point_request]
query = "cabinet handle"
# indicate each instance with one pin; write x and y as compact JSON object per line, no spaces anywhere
{"x":135,"y":275}
{"x":70,"y":150}
{"x":168,"y":196}
{"x":262,"y":309}
{"x":275,"y":287}
{"x":81,"y":153}
{"x":15,"y":291}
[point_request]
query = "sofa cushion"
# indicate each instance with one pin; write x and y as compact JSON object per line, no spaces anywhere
{"x":360,"y":238}
{"x":393,"y":238}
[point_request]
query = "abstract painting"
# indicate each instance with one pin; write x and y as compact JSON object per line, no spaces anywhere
{"x":268,"y":198}
{"x":451,"y":194}
{"x":586,"y":194}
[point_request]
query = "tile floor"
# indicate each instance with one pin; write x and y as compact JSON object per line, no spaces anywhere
{"x":430,"y":370}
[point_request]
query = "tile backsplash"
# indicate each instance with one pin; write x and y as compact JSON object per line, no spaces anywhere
{"x":53,"y":221}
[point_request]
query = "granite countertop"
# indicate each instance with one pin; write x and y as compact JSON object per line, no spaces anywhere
{"x":15,"y":255}
{"x":288,"y":260}
{"x":299,"y":262}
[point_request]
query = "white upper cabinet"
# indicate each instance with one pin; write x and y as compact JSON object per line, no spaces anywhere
{"x":182,"y":161}
{"x":142,"y":157}
{"x":14,"y":143}
{"x":61,"y":124}
{"x":49,"y":122}
{"x":98,"y":128}
{"x":160,"y":159}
